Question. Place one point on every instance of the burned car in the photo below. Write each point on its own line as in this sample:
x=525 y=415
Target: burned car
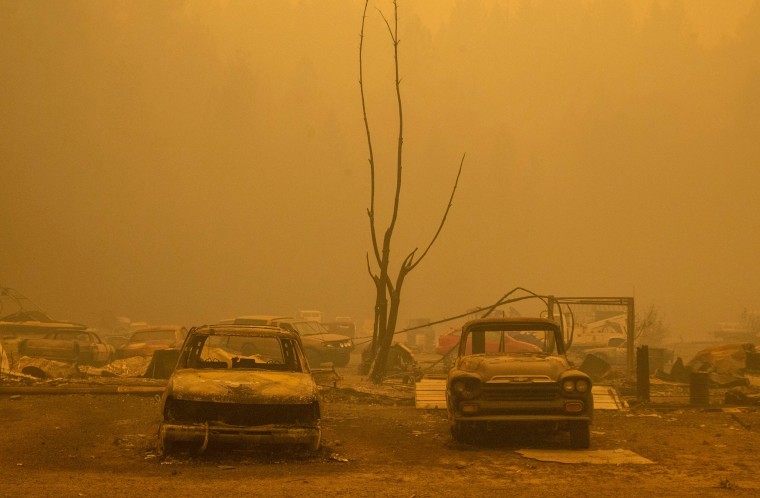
x=240 y=384
x=526 y=379
x=319 y=344
x=12 y=334
x=81 y=346
x=146 y=341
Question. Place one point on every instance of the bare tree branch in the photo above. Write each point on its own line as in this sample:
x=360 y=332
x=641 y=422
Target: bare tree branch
x=387 y=24
x=371 y=210
x=445 y=215
x=394 y=37
x=369 y=270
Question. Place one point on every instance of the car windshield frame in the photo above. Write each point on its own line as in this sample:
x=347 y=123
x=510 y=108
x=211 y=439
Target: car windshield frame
x=510 y=338
x=73 y=335
x=217 y=351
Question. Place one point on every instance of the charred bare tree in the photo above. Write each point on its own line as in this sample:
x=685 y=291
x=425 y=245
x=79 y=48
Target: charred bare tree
x=387 y=286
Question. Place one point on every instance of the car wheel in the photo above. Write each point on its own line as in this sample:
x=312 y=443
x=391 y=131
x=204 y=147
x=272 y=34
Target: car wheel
x=342 y=360
x=315 y=445
x=580 y=435
x=165 y=447
x=313 y=357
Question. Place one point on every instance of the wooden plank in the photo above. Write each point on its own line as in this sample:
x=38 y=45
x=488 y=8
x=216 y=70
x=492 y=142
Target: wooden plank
x=606 y=398
x=430 y=394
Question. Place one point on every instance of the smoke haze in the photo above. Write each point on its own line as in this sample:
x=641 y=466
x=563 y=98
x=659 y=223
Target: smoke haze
x=188 y=161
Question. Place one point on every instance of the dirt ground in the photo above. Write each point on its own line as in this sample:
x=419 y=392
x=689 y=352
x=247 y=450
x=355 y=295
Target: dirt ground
x=374 y=445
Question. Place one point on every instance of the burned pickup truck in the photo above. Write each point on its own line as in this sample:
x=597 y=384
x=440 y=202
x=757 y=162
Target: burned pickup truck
x=241 y=385
x=514 y=371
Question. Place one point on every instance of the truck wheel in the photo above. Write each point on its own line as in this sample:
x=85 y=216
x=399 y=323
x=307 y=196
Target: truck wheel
x=580 y=435
x=459 y=432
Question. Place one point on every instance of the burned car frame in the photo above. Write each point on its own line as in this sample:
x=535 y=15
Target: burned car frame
x=527 y=379
x=80 y=346
x=240 y=384
x=319 y=345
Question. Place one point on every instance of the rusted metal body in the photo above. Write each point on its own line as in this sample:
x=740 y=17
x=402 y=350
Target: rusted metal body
x=145 y=342
x=80 y=346
x=13 y=333
x=219 y=394
x=507 y=384
x=319 y=345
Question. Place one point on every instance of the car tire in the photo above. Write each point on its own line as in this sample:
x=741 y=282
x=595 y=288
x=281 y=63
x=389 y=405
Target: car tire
x=165 y=447
x=314 y=446
x=313 y=358
x=580 y=435
x=342 y=360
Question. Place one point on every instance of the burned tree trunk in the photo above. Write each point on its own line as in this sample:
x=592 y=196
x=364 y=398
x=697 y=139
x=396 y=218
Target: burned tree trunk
x=388 y=292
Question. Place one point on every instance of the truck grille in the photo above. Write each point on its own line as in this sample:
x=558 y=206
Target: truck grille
x=241 y=415
x=548 y=391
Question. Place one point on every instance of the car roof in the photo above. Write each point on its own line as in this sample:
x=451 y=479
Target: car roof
x=250 y=330
x=159 y=327
x=46 y=325
x=513 y=322
x=261 y=317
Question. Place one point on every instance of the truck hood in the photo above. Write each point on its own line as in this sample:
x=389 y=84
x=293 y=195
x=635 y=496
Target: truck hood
x=242 y=386
x=488 y=366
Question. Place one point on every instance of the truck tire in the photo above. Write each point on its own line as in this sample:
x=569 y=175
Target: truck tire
x=580 y=435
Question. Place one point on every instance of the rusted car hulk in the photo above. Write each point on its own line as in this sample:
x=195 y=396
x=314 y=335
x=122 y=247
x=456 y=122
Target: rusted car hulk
x=533 y=383
x=146 y=341
x=81 y=346
x=318 y=343
x=242 y=385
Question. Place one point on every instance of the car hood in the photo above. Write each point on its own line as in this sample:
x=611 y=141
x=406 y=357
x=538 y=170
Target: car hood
x=148 y=345
x=242 y=387
x=488 y=366
x=325 y=338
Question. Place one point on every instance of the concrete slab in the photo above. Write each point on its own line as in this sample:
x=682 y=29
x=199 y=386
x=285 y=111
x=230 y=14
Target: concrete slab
x=598 y=457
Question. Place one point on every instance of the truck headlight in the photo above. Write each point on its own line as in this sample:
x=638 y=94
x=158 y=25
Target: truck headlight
x=576 y=385
x=466 y=388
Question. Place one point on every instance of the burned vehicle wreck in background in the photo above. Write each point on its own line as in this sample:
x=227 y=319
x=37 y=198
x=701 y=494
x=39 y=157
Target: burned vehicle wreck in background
x=520 y=381
x=80 y=346
x=318 y=343
x=146 y=341
x=240 y=384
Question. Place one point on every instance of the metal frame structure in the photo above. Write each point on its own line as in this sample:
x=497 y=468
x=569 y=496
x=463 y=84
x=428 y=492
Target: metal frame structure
x=628 y=302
